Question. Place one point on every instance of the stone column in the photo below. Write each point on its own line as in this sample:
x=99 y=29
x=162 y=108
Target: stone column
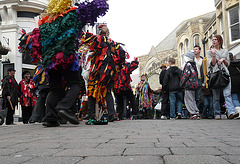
x=9 y=38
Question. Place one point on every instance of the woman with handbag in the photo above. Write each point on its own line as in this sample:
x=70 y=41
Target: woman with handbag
x=217 y=63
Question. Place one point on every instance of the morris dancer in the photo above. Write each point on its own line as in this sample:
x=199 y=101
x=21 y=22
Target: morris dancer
x=105 y=55
x=56 y=42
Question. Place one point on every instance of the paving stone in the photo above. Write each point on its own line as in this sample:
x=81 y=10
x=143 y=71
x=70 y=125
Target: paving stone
x=147 y=151
x=232 y=158
x=235 y=143
x=230 y=150
x=83 y=152
x=57 y=160
x=13 y=159
x=150 y=140
x=38 y=152
x=75 y=145
x=196 y=151
x=127 y=145
x=193 y=159
x=36 y=144
x=9 y=151
x=169 y=144
x=123 y=159
x=203 y=143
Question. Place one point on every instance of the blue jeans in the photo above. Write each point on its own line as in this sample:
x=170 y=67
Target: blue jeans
x=235 y=99
x=198 y=94
x=207 y=106
x=175 y=98
x=228 y=100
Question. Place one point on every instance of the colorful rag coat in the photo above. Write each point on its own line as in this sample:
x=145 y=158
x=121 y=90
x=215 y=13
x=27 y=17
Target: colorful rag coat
x=27 y=93
x=122 y=78
x=9 y=88
x=56 y=39
x=105 y=55
x=40 y=78
x=145 y=95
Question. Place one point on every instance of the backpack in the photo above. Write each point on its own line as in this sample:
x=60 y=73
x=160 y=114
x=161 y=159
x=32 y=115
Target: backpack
x=192 y=81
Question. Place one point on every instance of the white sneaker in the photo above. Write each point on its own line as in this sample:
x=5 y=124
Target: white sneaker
x=172 y=118
x=237 y=109
x=163 y=117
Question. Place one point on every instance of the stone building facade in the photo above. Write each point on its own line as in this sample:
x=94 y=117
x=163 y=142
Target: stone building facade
x=182 y=39
x=197 y=31
x=191 y=34
x=16 y=15
x=226 y=23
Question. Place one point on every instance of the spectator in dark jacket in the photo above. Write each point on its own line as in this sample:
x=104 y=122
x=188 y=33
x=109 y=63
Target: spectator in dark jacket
x=234 y=70
x=10 y=95
x=165 y=94
x=172 y=83
x=189 y=81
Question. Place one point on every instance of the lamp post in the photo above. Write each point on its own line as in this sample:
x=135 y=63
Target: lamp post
x=204 y=42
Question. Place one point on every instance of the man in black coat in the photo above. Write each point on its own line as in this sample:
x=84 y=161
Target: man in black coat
x=10 y=95
x=165 y=94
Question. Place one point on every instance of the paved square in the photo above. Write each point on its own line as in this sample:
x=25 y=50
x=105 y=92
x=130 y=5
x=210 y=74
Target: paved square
x=128 y=141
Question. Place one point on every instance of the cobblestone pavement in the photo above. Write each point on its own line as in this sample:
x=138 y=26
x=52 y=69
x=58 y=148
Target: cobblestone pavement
x=128 y=141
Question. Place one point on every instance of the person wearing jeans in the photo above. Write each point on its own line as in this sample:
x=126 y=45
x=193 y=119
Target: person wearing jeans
x=171 y=82
x=235 y=99
x=207 y=103
x=228 y=101
x=175 y=98
x=217 y=56
x=234 y=70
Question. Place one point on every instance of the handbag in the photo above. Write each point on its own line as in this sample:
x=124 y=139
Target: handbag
x=219 y=79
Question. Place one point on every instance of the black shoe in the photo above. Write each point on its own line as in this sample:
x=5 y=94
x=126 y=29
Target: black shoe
x=11 y=124
x=68 y=116
x=31 y=121
x=112 y=118
x=51 y=124
x=62 y=121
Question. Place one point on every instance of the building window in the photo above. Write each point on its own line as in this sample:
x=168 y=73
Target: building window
x=26 y=14
x=196 y=40
x=234 y=24
x=182 y=53
x=222 y=29
x=186 y=45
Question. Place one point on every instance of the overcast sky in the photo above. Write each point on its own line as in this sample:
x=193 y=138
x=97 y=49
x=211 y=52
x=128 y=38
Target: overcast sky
x=141 y=24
